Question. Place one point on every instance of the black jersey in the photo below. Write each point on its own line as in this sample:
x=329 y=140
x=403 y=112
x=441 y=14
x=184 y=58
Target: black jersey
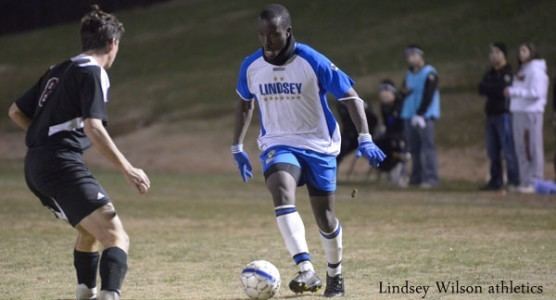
x=63 y=97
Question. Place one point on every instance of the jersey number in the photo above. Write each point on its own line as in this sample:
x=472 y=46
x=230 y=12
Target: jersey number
x=48 y=89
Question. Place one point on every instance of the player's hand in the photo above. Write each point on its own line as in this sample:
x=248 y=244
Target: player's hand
x=242 y=162
x=138 y=178
x=369 y=150
x=418 y=121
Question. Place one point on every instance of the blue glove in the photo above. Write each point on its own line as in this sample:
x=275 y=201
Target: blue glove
x=242 y=161
x=369 y=150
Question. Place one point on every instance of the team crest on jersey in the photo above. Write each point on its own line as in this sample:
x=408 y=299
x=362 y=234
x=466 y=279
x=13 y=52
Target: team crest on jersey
x=507 y=78
x=48 y=89
x=270 y=156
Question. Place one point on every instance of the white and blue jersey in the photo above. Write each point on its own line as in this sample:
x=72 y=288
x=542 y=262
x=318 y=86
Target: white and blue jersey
x=292 y=99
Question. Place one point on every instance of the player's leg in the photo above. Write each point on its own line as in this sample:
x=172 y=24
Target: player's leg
x=282 y=173
x=321 y=184
x=85 y=260
x=282 y=186
x=105 y=226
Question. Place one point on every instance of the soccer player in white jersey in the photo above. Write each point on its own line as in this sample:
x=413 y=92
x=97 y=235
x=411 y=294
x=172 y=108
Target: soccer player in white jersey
x=299 y=138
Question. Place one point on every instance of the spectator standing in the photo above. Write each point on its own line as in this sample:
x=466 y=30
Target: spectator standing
x=528 y=94
x=420 y=110
x=499 y=135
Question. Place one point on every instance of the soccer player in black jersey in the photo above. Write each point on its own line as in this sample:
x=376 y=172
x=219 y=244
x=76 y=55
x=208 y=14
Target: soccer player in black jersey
x=64 y=113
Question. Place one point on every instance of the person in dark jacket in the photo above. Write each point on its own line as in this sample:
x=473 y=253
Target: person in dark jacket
x=499 y=139
x=391 y=101
x=393 y=137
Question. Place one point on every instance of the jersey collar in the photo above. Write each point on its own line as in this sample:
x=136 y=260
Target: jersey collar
x=285 y=55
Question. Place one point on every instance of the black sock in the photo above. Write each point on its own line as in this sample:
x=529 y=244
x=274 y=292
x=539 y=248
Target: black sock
x=86 y=266
x=113 y=266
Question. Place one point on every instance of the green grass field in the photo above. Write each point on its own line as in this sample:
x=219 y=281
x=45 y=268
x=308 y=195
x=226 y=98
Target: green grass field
x=192 y=234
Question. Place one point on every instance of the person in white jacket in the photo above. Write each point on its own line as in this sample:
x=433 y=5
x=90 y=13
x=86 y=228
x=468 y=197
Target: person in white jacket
x=528 y=94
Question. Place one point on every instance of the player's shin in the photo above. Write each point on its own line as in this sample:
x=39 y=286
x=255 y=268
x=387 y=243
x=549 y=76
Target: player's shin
x=86 y=266
x=333 y=248
x=113 y=267
x=292 y=230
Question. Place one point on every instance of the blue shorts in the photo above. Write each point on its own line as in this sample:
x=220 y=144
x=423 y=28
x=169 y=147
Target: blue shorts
x=318 y=170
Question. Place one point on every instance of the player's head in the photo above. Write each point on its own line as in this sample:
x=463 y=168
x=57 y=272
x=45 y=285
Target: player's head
x=387 y=91
x=101 y=33
x=414 y=55
x=498 y=54
x=526 y=53
x=274 y=29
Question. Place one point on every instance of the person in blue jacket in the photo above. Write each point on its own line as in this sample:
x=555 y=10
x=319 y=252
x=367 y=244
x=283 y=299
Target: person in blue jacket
x=420 y=111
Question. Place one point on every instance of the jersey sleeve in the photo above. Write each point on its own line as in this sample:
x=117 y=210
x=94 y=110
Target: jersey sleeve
x=332 y=78
x=242 y=87
x=28 y=102
x=92 y=97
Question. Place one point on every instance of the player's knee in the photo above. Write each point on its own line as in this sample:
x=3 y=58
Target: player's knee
x=87 y=239
x=115 y=238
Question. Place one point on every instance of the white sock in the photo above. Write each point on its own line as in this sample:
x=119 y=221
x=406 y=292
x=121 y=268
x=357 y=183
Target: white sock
x=83 y=292
x=108 y=295
x=293 y=232
x=333 y=248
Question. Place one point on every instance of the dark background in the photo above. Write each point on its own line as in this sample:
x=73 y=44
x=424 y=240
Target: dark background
x=22 y=15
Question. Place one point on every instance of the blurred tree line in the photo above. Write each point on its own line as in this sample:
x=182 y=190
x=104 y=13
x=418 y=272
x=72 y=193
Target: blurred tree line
x=21 y=15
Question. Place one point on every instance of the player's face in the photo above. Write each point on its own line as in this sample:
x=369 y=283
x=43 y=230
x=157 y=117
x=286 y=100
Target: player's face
x=273 y=37
x=496 y=56
x=524 y=54
x=414 y=59
x=114 y=47
x=386 y=97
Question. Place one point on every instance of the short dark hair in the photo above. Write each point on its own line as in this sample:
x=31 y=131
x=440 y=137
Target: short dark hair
x=98 y=28
x=500 y=46
x=273 y=11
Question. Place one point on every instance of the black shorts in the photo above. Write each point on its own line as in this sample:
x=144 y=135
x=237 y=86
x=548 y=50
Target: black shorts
x=60 y=179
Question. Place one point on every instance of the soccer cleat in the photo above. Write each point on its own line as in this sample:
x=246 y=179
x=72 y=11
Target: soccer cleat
x=334 y=286
x=83 y=292
x=306 y=281
x=108 y=295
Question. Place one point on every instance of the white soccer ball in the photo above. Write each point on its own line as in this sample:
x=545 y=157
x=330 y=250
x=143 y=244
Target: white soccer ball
x=260 y=280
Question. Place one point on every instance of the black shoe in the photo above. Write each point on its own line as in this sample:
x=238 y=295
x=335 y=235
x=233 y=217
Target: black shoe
x=490 y=188
x=334 y=286
x=307 y=281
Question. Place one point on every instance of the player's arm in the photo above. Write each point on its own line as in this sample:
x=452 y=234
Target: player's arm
x=22 y=110
x=101 y=140
x=19 y=117
x=243 y=116
x=356 y=110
